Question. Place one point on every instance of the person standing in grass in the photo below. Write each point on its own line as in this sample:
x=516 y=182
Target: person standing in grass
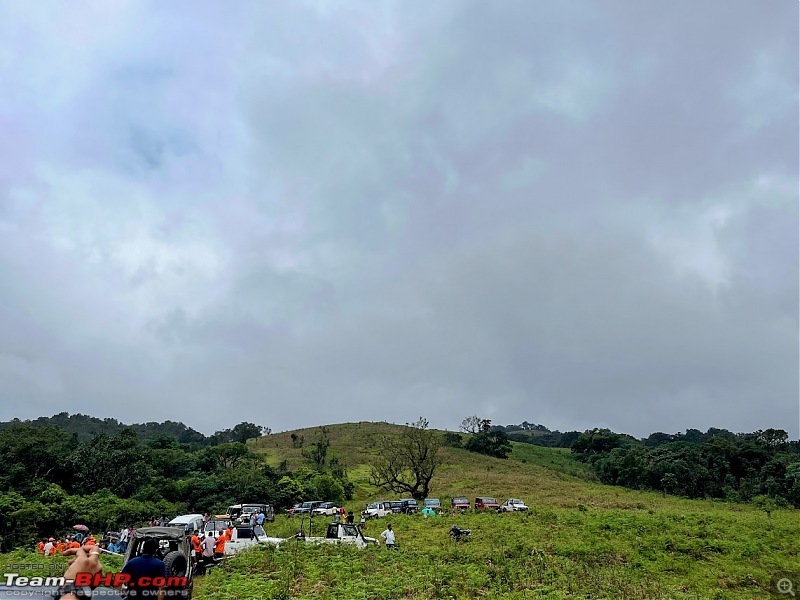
x=388 y=535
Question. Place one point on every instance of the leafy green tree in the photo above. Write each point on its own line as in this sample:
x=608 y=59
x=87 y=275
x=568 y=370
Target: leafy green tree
x=173 y=463
x=318 y=453
x=240 y=433
x=452 y=439
x=227 y=456
x=492 y=443
x=597 y=441
x=246 y=484
x=329 y=488
x=31 y=457
x=117 y=462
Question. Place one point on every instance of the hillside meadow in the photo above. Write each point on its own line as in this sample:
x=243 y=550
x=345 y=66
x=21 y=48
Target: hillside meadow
x=581 y=539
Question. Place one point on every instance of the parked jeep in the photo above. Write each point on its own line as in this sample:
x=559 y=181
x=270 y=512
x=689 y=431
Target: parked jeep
x=486 y=503
x=432 y=503
x=327 y=509
x=409 y=506
x=243 y=511
x=460 y=503
x=306 y=508
x=174 y=548
x=376 y=510
x=342 y=533
x=245 y=536
x=512 y=505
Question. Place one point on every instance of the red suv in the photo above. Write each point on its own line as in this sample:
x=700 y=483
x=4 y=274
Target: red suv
x=486 y=503
x=460 y=503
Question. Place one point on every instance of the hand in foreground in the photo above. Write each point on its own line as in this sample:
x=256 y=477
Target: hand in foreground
x=84 y=562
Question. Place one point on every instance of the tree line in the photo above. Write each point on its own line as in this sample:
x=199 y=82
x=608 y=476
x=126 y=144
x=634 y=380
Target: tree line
x=715 y=464
x=50 y=479
x=85 y=427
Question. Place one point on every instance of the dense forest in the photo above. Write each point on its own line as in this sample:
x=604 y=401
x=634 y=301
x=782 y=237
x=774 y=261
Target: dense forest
x=538 y=435
x=715 y=464
x=86 y=427
x=51 y=479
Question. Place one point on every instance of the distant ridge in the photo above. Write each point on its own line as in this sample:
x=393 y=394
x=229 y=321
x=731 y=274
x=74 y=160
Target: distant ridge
x=86 y=427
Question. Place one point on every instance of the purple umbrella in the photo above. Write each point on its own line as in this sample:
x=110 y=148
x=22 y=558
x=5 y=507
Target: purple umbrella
x=80 y=527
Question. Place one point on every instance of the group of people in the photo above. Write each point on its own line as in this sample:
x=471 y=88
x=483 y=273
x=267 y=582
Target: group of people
x=206 y=547
x=116 y=542
x=51 y=546
x=257 y=518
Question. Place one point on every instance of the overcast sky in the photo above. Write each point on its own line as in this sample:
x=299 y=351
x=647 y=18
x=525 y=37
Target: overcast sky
x=581 y=214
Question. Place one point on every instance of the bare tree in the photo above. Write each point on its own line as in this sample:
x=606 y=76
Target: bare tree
x=475 y=424
x=407 y=462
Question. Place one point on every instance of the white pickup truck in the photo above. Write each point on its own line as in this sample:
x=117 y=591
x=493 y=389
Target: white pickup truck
x=243 y=537
x=343 y=533
x=336 y=533
x=376 y=510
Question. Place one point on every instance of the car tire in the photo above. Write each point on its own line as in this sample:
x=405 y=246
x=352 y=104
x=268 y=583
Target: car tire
x=176 y=564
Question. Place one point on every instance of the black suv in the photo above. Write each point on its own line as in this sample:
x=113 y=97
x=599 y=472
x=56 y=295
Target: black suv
x=306 y=507
x=407 y=506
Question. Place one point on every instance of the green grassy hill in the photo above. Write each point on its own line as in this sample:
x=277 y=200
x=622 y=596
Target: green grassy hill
x=581 y=539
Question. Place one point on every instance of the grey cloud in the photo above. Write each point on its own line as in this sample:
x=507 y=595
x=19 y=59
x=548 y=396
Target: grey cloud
x=568 y=213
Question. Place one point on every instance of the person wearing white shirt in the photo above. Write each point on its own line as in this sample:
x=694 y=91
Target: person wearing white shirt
x=388 y=535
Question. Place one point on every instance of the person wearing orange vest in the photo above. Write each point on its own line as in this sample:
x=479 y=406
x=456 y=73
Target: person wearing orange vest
x=90 y=541
x=40 y=547
x=74 y=544
x=198 y=549
x=61 y=546
x=219 y=549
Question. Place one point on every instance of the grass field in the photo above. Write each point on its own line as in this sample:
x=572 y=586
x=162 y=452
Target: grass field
x=581 y=539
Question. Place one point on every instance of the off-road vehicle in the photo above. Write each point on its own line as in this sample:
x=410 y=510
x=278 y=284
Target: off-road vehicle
x=174 y=548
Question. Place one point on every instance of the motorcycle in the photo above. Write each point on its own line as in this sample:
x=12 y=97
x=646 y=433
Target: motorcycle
x=458 y=534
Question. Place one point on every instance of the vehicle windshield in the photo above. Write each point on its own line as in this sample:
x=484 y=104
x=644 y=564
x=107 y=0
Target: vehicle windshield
x=432 y=502
x=216 y=524
x=246 y=510
x=460 y=500
x=489 y=501
x=326 y=505
x=350 y=530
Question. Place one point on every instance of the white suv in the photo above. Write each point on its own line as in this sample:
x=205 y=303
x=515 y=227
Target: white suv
x=376 y=510
x=512 y=505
